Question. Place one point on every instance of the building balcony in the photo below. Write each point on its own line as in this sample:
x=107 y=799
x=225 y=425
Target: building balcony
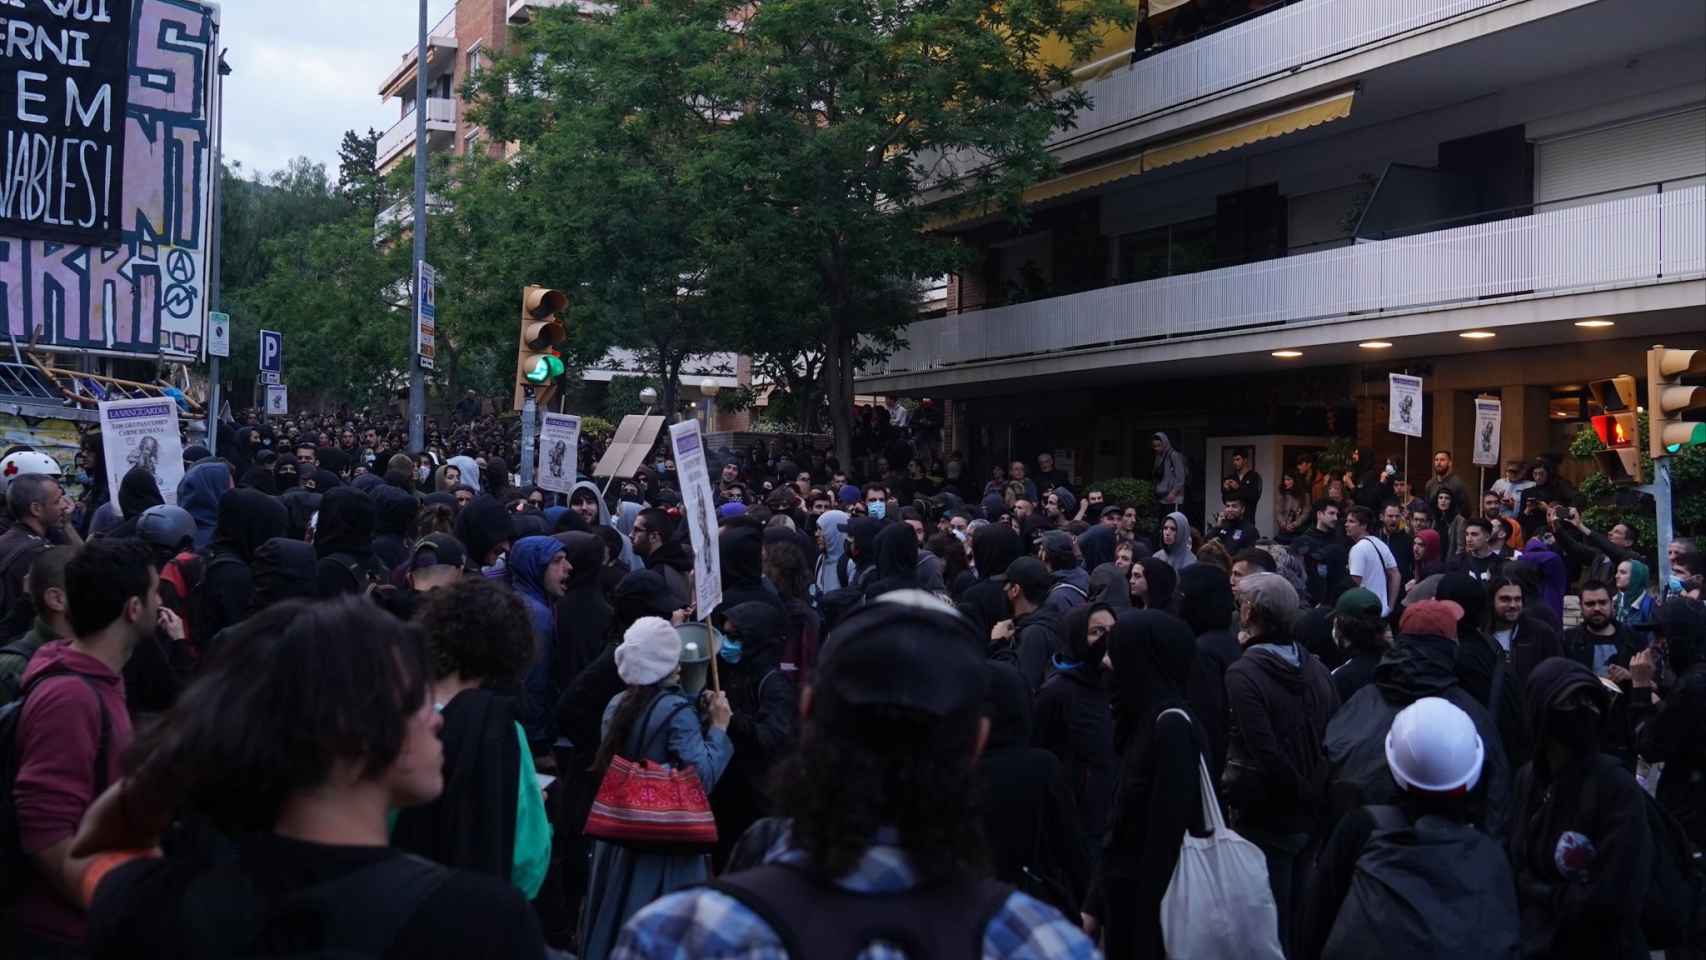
x=521 y=11
x=1613 y=242
x=441 y=56
x=441 y=131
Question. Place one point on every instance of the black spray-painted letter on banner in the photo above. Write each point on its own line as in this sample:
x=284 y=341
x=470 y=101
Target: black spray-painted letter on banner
x=64 y=85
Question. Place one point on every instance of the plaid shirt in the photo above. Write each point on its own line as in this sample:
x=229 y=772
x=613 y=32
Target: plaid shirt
x=701 y=924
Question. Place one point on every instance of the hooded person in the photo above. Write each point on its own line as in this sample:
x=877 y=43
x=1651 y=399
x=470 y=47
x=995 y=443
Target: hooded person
x=587 y=490
x=1172 y=472
x=259 y=478
x=199 y=492
x=623 y=520
x=1432 y=559
x=1071 y=586
x=832 y=538
x=469 y=469
x=862 y=549
x=537 y=577
x=1481 y=667
x=1110 y=585
x=897 y=561
x=1096 y=545
x=1554 y=577
x=1206 y=604
x=1420 y=664
x=494 y=476
x=1667 y=729
x=583 y=616
x=281 y=569
x=765 y=707
x=1632 y=605
x=1160 y=581
x=1030 y=820
x=300 y=505
x=1158 y=794
x=1072 y=719
x=368 y=482
x=1178 y=554
x=395 y=516
x=247 y=519
x=740 y=547
x=285 y=473
x=136 y=492
x=343 y=542
x=483 y=527
x=1581 y=846
x=441 y=482
x=993 y=549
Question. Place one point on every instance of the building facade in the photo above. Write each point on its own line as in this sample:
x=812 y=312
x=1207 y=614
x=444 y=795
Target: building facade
x=1255 y=223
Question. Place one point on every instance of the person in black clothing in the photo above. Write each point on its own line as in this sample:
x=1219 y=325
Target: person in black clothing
x=483 y=528
x=343 y=542
x=1524 y=637
x=1358 y=631
x=1027 y=638
x=1072 y=721
x=393 y=524
x=993 y=548
x=1482 y=668
x=247 y=519
x=1581 y=845
x=1599 y=642
x=741 y=548
x=1325 y=554
x=655 y=544
x=1158 y=793
x=583 y=616
x=296 y=750
x=1206 y=605
x=897 y=561
x=1667 y=729
x=1233 y=528
x=765 y=708
x=1243 y=484
x=136 y=492
x=1030 y=820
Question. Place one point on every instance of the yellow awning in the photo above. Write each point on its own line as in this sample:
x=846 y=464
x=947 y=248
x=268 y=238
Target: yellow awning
x=1242 y=133
x=1227 y=137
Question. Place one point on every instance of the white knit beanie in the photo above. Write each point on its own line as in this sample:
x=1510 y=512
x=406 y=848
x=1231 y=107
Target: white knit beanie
x=649 y=651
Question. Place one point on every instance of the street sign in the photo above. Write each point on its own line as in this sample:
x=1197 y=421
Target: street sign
x=278 y=402
x=426 y=313
x=267 y=378
x=272 y=353
x=218 y=334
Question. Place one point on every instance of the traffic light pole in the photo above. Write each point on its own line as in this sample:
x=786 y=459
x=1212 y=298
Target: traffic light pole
x=1661 y=501
x=417 y=376
x=529 y=414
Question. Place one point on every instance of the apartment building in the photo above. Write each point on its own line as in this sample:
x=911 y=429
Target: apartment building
x=1259 y=219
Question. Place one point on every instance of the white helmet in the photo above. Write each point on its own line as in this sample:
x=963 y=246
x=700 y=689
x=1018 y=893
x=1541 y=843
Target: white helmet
x=26 y=462
x=1433 y=748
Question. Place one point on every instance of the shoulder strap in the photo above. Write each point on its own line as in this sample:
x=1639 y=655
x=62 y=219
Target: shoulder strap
x=106 y=735
x=1073 y=586
x=1496 y=691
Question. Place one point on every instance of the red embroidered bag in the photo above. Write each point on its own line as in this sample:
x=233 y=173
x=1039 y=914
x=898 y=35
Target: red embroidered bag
x=652 y=806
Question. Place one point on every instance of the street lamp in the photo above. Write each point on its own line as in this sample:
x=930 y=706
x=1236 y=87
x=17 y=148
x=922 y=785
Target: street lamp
x=709 y=388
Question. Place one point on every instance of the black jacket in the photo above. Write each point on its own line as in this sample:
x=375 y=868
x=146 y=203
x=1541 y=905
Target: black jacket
x=762 y=727
x=1669 y=732
x=471 y=825
x=1236 y=535
x=1074 y=724
x=1033 y=645
x=1275 y=772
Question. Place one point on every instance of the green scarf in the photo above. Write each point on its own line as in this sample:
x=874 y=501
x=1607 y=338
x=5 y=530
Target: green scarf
x=1629 y=600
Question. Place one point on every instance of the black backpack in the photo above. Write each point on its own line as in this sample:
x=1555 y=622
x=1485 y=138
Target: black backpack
x=367 y=573
x=15 y=866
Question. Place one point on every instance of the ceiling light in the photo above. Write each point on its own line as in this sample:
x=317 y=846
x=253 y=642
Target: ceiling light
x=1288 y=354
x=1374 y=344
x=1478 y=335
x=1596 y=324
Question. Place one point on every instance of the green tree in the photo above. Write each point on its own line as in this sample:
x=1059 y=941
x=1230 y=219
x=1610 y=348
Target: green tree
x=735 y=164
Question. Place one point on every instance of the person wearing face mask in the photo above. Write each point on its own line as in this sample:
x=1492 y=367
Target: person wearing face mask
x=1667 y=709
x=1581 y=846
x=1027 y=638
x=764 y=704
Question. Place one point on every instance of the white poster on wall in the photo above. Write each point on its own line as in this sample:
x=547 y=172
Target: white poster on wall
x=143 y=433
x=1405 y=416
x=700 y=511
x=1488 y=416
x=559 y=452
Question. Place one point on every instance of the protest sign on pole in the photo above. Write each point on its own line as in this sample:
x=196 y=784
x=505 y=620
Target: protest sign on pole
x=700 y=511
x=278 y=400
x=1488 y=417
x=143 y=433
x=559 y=458
x=1406 y=405
x=426 y=313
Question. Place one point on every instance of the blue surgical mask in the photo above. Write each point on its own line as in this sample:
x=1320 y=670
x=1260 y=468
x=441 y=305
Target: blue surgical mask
x=877 y=509
x=729 y=649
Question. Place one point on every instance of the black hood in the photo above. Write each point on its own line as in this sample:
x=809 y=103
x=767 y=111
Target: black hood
x=742 y=553
x=259 y=478
x=346 y=523
x=1417 y=666
x=395 y=511
x=137 y=492
x=759 y=626
x=1110 y=585
x=247 y=519
x=299 y=506
x=643 y=593
x=862 y=533
x=1097 y=546
x=1007 y=703
x=1162 y=580
x=994 y=548
x=283 y=570
x=897 y=553
x=1468 y=593
x=671 y=554
x=481 y=526
x=586 y=556
x=1152 y=654
x=1552 y=680
x=1205 y=598
x=1074 y=635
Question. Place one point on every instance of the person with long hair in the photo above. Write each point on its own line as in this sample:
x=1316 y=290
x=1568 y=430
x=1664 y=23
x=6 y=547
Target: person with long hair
x=1151 y=582
x=1291 y=512
x=1448 y=521
x=650 y=720
x=295 y=744
x=786 y=569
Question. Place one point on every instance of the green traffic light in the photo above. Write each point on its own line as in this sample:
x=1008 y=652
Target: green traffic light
x=545 y=369
x=1696 y=435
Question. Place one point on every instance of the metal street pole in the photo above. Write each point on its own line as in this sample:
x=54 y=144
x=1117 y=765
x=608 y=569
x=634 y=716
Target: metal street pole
x=215 y=244
x=417 y=376
x=529 y=416
x=1662 y=505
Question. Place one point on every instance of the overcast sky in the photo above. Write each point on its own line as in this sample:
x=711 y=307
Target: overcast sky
x=304 y=71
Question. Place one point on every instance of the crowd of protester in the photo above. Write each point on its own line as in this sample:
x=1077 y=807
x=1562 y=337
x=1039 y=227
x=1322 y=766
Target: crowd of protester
x=342 y=696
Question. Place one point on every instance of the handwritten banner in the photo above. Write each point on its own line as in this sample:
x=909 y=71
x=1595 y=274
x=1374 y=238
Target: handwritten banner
x=64 y=89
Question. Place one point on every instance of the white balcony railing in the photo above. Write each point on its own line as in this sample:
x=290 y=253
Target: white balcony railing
x=1592 y=246
x=442 y=35
x=1266 y=45
x=441 y=117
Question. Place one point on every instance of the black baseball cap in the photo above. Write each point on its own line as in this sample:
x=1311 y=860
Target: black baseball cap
x=908 y=649
x=438 y=549
x=1030 y=574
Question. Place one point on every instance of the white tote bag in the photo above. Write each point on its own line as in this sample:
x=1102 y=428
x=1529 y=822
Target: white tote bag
x=1218 y=906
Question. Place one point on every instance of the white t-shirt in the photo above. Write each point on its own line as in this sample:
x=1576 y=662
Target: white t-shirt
x=1370 y=559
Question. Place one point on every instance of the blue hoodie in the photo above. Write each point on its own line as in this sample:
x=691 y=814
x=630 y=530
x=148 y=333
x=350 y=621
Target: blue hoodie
x=199 y=492
x=528 y=558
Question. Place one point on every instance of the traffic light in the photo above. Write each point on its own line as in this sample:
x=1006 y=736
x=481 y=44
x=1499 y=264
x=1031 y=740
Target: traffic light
x=1617 y=429
x=537 y=362
x=1670 y=400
